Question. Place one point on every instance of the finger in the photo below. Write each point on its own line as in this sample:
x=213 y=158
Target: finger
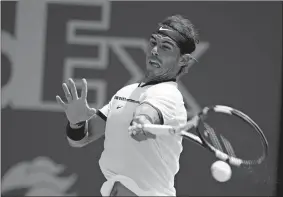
x=134 y=124
x=134 y=131
x=73 y=88
x=133 y=128
x=67 y=92
x=84 y=89
x=130 y=130
x=91 y=112
x=59 y=101
x=138 y=130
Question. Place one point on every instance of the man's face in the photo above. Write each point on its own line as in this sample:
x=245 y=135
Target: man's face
x=162 y=57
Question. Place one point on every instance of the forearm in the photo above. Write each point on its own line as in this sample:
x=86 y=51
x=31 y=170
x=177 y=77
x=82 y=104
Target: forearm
x=147 y=114
x=81 y=134
x=77 y=135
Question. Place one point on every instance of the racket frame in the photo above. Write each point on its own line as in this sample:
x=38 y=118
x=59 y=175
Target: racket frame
x=200 y=139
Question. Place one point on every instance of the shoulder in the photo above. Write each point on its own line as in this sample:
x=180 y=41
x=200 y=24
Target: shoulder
x=168 y=89
x=128 y=88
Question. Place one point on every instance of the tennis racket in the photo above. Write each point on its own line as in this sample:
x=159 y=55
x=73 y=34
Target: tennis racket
x=228 y=133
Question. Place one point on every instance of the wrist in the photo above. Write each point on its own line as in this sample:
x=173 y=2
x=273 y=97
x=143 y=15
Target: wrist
x=143 y=119
x=79 y=132
x=77 y=125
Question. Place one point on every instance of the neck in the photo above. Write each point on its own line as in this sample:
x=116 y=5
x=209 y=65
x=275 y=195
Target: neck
x=148 y=79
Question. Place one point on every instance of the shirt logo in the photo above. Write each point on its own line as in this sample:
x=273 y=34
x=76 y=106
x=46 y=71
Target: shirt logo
x=164 y=29
x=125 y=99
x=118 y=107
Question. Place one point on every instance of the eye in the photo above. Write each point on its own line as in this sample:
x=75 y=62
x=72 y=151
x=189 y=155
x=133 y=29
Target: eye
x=165 y=47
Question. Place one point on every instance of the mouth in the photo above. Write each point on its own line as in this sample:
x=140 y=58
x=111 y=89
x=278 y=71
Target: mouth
x=154 y=63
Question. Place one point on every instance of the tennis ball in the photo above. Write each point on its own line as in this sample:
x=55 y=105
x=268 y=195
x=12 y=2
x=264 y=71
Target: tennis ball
x=221 y=171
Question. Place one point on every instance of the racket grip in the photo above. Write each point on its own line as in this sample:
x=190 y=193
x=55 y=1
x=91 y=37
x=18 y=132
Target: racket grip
x=158 y=129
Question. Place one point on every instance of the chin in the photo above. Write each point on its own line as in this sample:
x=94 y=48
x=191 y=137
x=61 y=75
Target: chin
x=151 y=74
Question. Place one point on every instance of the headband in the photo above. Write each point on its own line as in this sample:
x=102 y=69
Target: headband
x=186 y=45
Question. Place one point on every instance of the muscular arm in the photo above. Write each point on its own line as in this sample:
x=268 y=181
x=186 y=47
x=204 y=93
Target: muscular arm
x=144 y=114
x=147 y=114
x=164 y=106
x=81 y=134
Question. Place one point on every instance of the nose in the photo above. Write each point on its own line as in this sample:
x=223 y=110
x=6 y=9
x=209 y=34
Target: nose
x=154 y=51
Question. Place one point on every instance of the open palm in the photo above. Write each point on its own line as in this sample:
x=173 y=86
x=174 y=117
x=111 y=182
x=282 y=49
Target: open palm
x=76 y=109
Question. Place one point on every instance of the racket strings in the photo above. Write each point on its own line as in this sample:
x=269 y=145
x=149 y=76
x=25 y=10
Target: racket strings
x=228 y=146
x=260 y=134
x=236 y=138
x=216 y=142
x=228 y=153
x=209 y=132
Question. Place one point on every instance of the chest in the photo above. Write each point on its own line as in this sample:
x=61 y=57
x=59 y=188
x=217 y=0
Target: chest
x=123 y=107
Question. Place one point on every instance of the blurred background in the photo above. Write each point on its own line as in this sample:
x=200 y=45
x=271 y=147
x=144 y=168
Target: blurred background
x=45 y=42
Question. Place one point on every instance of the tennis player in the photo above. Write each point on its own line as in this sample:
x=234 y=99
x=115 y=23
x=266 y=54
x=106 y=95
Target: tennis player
x=134 y=162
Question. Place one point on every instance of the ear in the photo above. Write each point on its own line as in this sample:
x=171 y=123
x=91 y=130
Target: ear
x=185 y=59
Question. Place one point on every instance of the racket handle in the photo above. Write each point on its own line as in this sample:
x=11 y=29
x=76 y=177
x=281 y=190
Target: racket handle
x=158 y=129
